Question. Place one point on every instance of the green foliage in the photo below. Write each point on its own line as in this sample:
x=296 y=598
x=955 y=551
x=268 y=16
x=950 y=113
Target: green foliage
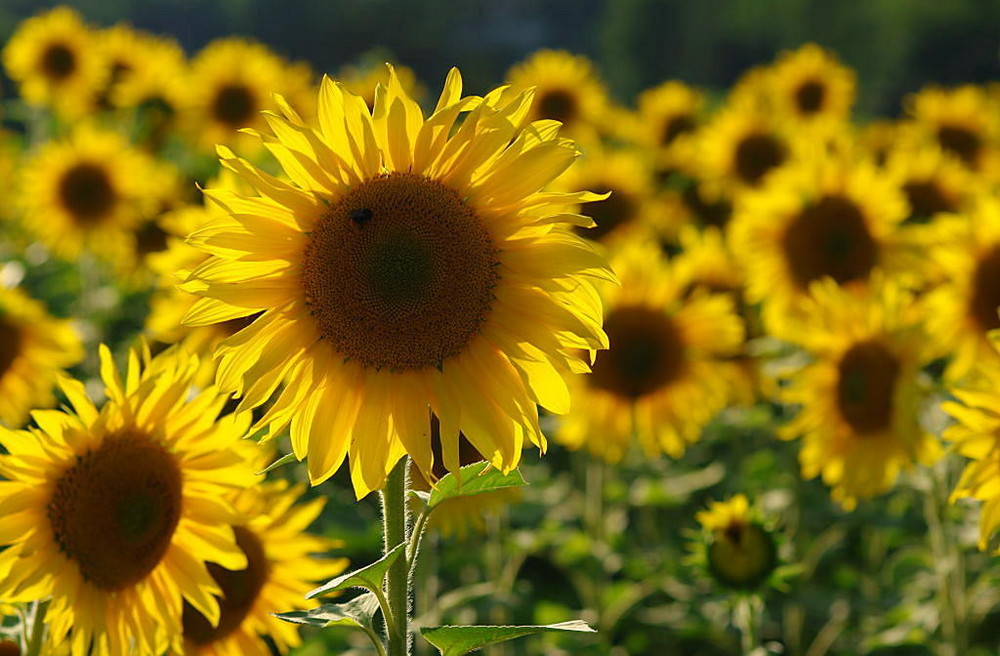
x=459 y=640
x=473 y=479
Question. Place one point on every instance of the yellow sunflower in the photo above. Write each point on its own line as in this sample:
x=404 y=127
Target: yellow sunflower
x=835 y=218
x=232 y=81
x=861 y=397
x=55 y=61
x=281 y=569
x=666 y=117
x=739 y=148
x=976 y=435
x=812 y=88
x=88 y=192
x=408 y=267
x=665 y=375
x=567 y=89
x=933 y=181
x=34 y=347
x=112 y=512
x=630 y=211
x=741 y=551
x=963 y=121
x=363 y=78
x=962 y=310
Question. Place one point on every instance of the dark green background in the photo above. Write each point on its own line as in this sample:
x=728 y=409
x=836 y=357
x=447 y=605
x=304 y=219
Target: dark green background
x=895 y=45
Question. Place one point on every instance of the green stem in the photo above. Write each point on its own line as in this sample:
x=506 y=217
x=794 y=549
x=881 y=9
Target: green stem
x=746 y=617
x=395 y=518
x=949 y=563
x=37 y=629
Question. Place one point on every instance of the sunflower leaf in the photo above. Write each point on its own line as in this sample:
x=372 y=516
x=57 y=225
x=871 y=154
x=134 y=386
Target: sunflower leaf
x=369 y=577
x=421 y=495
x=357 y=612
x=473 y=479
x=283 y=460
x=458 y=640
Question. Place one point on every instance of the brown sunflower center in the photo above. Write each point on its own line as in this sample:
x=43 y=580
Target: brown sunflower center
x=9 y=648
x=809 y=96
x=675 y=127
x=399 y=273
x=114 y=512
x=829 y=238
x=150 y=238
x=647 y=353
x=240 y=590
x=985 y=296
x=86 y=192
x=756 y=154
x=58 y=61
x=615 y=210
x=234 y=105
x=866 y=384
x=558 y=105
x=926 y=199
x=11 y=339
x=713 y=212
x=961 y=141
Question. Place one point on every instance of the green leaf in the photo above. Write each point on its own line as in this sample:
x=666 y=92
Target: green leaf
x=369 y=577
x=476 y=479
x=357 y=612
x=283 y=460
x=422 y=496
x=458 y=640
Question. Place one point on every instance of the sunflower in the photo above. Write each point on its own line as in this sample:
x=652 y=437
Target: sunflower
x=739 y=148
x=407 y=268
x=55 y=61
x=363 y=78
x=741 y=551
x=976 y=435
x=34 y=347
x=232 y=81
x=665 y=375
x=281 y=569
x=962 y=310
x=88 y=192
x=963 y=121
x=860 y=399
x=630 y=209
x=567 y=89
x=812 y=88
x=667 y=115
x=933 y=181
x=832 y=219
x=113 y=512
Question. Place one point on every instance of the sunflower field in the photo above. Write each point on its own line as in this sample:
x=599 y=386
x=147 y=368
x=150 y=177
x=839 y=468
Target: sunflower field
x=358 y=362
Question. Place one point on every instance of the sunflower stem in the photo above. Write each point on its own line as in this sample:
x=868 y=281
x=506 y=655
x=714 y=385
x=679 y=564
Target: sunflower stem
x=395 y=521
x=34 y=646
x=746 y=617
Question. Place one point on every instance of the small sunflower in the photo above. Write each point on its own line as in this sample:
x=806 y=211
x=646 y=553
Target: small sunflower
x=860 y=399
x=55 y=61
x=812 y=88
x=963 y=121
x=629 y=211
x=34 y=347
x=282 y=567
x=740 y=147
x=741 y=551
x=114 y=511
x=665 y=375
x=667 y=115
x=933 y=181
x=976 y=435
x=232 y=81
x=363 y=78
x=567 y=89
x=834 y=219
x=408 y=267
x=88 y=192
x=962 y=310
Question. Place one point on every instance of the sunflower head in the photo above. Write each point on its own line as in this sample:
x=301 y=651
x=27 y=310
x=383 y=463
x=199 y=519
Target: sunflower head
x=567 y=89
x=55 y=60
x=410 y=267
x=962 y=121
x=812 y=88
x=121 y=506
x=741 y=552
